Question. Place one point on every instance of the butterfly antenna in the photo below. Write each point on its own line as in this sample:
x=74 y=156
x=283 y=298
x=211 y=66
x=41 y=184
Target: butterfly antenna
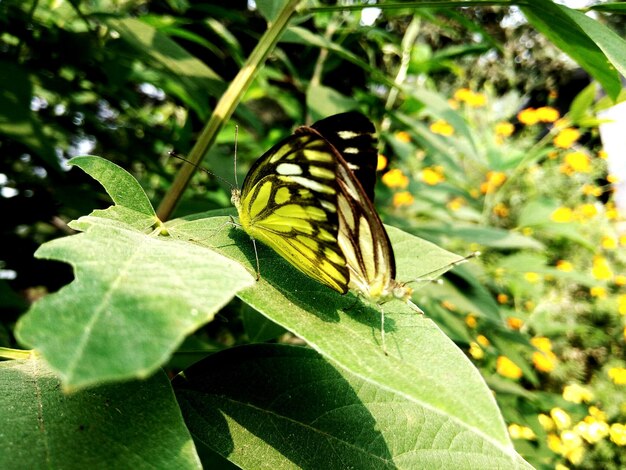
x=171 y=153
x=430 y=276
x=235 y=159
x=414 y=307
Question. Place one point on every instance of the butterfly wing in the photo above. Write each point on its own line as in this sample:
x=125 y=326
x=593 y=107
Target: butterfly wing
x=362 y=237
x=354 y=137
x=289 y=202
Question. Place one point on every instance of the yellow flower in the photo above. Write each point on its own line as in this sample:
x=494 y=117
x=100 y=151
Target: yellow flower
x=587 y=211
x=546 y=422
x=454 y=104
x=504 y=129
x=601 y=269
x=507 y=368
x=514 y=323
x=591 y=190
x=441 y=127
x=598 y=291
x=448 y=305
x=493 y=180
x=592 y=430
x=578 y=161
x=382 y=162
x=476 y=351
x=566 y=137
x=613 y=179
x=502 y=298
x=565 y=266
x=501 y=210
x=395 y=179
x=544 y=361
x=562 y=215
x=527 y=231
x=596 y=413
x=554 y=443
x=621 y=301
x=620 y=280
x=577 y=393
x=529 y=305
x=476 y=100
x=547 y=114
x=521 y=432
x=573 y=449
x=482 y=340
x=462 y=93
x=561 y=419
x=403 y=136
x=602 y=154
x=622 y=240
x=541 y=343
x=456 y=203
x=432 y=175
x=470 y=321
x=608 y=242
x=532 y=277
x=560 y=466
x=618 y=434
x=403 y=198
x=611 y=211
x=528 y=116
x=617 y=375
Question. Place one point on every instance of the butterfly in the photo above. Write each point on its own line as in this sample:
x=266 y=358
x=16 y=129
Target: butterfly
x=310 y=199
x=362 y=236
x=288 y=201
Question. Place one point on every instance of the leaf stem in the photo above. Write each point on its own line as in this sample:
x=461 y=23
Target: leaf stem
x=225 y=107
x=9 y=353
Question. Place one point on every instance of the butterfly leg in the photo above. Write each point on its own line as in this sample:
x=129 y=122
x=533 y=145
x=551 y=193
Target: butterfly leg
x=382 y=330
x=256 y=256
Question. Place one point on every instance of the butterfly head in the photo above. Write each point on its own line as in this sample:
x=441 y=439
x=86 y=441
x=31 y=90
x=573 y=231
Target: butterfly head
x=400 y=291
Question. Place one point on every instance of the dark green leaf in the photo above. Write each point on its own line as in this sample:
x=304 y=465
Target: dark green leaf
x=586 y=41
x=130 y=425
x=271 y=406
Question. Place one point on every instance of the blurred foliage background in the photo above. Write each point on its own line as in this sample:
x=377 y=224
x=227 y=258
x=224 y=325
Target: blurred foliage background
x=492 y=145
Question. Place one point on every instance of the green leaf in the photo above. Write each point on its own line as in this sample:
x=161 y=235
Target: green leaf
x=492 y=237
x=17 y=121
x=259 y=328
x=465 y=291
x=586 y=41
x=613 y=7
x=421 y=358
x=130 y=425
x=132 y=207
x=194 y=78
x=120 y=185
x=582 y=106
x=134 y=298
x=276 y=406
x=438 y=107
x=323 y=101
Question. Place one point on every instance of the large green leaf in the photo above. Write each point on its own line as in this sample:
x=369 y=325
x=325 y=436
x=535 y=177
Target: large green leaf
x=423 y=364
x=135 y=297
x=595 y=47
x=272 y=406
x=189 y=78
x=130 y=425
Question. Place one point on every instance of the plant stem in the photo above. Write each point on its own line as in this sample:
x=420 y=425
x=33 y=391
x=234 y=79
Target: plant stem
x=225 y=107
